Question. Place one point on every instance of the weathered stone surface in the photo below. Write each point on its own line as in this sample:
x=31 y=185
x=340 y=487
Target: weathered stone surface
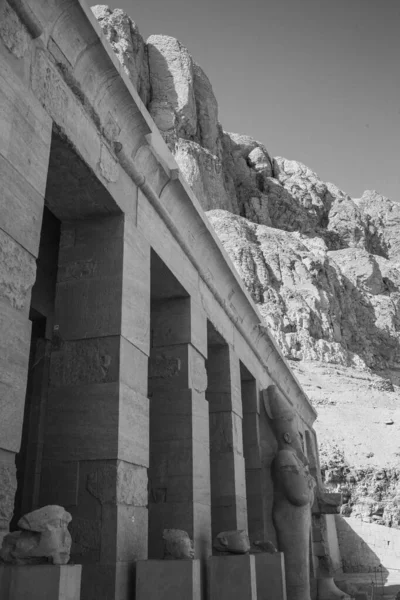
x=173 y=105
x=127 y=43
x=12 y=31
x=204 y=173
x=17 y=273
x=8 y=487
x=121 y=483
x=334 y=306
x=383 y=218
x=208 y=130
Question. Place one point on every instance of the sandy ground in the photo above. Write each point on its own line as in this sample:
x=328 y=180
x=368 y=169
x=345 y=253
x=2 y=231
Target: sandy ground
x=353 y=413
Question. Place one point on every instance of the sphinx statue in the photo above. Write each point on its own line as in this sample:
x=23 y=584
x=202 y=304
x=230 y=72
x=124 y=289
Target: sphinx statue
x=177 y=545
x=44 y=537
x=293 y=495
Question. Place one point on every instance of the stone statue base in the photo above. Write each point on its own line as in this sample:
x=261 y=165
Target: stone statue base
x=35 y=582
x=232 y=577
x=168 y=580
x=270 y=576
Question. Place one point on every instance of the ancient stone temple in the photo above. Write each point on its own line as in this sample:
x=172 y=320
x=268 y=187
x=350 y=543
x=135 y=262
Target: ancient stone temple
x=140 y=389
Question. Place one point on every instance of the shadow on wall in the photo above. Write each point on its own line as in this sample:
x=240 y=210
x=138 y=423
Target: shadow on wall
x=364 y=547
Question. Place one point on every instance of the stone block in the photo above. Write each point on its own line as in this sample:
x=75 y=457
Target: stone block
x=168 y=579
x=270 y=576
x=22 y=220
x=171 y=322
x=40 y=582
x=82 y=362
x=250 y=396
x=8 y=487
x=25 y=130
x=251 y=440
x=89 y=308
x=133 y=367
x=226 y=433
x=135 y=325
x=14 y=356
x=202 y=529
x=133 y=433
x=232 y=577
x=17 y=273
x=82 y=422
x=198 y=328
x=177 y=367
x=123 y=533
x=223 y=370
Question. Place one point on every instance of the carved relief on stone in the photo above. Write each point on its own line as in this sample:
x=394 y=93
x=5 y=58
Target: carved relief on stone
x=177 y=545
x=44 y=538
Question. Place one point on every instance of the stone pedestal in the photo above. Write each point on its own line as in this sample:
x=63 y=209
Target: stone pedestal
x=270 y=576
x=40 y=582
x=168 y=580
x=232 y=577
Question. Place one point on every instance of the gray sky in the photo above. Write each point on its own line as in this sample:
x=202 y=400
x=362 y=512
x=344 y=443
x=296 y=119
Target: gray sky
x=315 y=80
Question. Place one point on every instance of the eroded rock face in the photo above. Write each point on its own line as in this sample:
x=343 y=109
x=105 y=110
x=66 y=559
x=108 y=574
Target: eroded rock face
x=330 y=306
x=127 y=43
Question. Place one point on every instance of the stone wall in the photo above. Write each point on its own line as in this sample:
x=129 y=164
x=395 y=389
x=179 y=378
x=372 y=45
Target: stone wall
x=365 y=546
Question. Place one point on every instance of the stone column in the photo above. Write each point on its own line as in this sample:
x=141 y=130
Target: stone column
x=179 y=491
x=96 y=441
x=257 y=488
x=228 y=485
x=25 y=134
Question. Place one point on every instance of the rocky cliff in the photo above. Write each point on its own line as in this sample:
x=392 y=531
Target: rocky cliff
x=323 y=268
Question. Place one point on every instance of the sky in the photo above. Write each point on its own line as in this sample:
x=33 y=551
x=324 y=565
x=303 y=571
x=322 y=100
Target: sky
x=316 y=81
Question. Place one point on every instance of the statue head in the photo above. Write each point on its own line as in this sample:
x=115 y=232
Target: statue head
x=283 y=421
x=177 y=545
x=233 y=542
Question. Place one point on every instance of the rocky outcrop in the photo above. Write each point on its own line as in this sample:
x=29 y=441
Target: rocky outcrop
x=128 y=45
x=331 y=306
x=371 y=494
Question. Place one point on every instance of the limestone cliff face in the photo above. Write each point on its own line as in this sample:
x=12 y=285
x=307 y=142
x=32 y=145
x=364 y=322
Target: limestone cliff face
x=323 y=268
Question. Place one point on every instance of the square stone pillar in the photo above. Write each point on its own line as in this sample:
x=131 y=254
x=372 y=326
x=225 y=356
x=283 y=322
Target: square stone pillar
x=25 y=137
x=179 y=474
x=96 y=439
x=232 y=578
x=168 y=580
x=228 y=485
x=256 y=475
